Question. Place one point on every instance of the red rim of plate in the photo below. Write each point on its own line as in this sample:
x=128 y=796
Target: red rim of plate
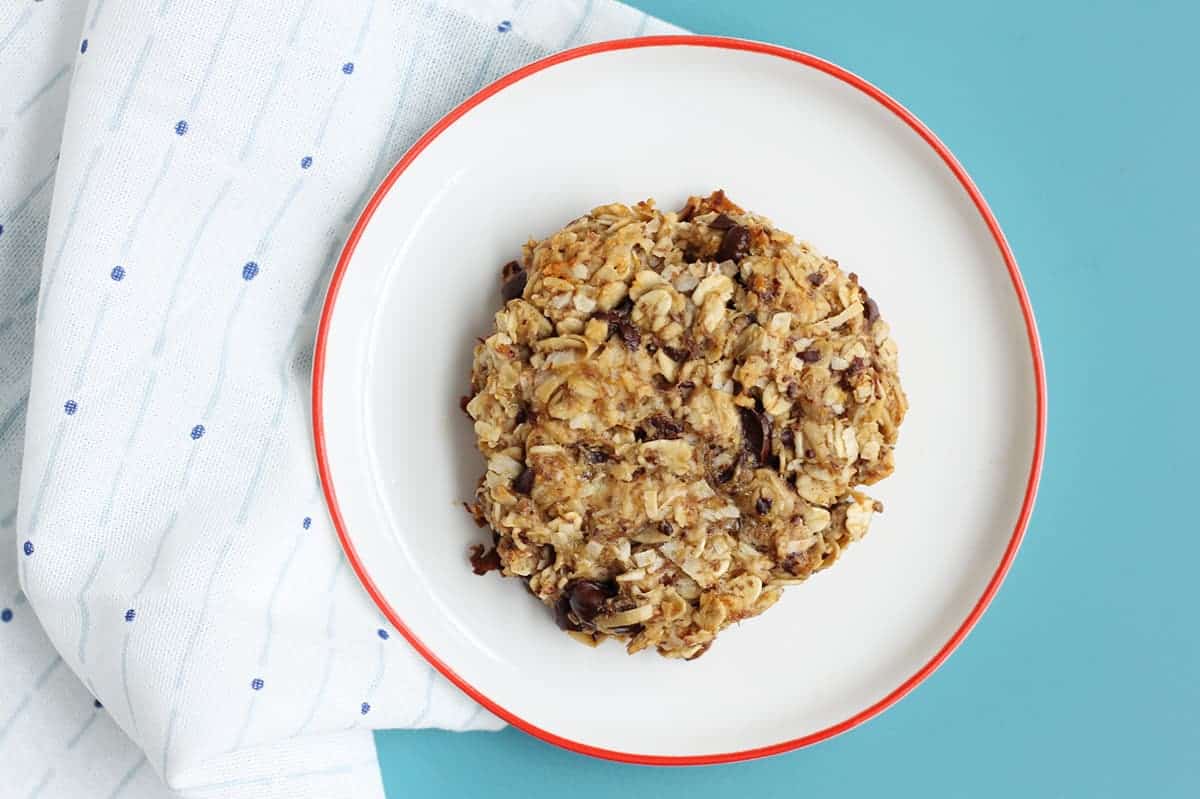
x=943 y=152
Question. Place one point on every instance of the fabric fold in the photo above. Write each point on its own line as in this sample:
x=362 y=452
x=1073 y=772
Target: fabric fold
x=183 y=173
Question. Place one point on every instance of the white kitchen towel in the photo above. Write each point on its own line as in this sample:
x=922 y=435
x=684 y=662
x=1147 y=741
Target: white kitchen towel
x=176 y=177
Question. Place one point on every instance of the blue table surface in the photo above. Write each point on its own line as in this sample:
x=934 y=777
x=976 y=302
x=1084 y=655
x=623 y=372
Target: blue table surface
x=1080 y=122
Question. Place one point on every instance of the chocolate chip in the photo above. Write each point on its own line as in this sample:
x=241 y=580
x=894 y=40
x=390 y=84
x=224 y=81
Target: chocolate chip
x=596 y=455
x=756 y=427
x=629 y=334
x=675 y=354
x=811 y=355
x=522 y=415
x=651 y=348
x=666 y=528
x=463 y=401
x=514 y=286
x=722 y=222
x=735 y=244
x=689 y=209
x=816 y=278
x=856 y=366
x=793 y=391
x=524 y=482
x=510 y=270
x=586 y=597
x=808 y=453
x=660 y=426
x=787 y=437
x=762 y=505
x=871 y=311
x=483 y=559
x=562 y=614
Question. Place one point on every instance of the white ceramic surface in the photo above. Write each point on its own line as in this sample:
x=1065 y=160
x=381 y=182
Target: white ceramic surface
x=826 y=161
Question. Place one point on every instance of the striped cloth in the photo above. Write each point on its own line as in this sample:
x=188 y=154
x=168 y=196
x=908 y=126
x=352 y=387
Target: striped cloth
x=180 y=173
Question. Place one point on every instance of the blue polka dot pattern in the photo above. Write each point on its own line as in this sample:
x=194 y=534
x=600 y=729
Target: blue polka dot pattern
x=256 y=684
x=130 y=614
x=306 y=162
x=181 y=127
x=366 y=708
x=504 y=27
x=307 y=522
x=97 y=704
x=197 y=431
x=27 y=548
x=348 y=67
x=6 y=615
x=70 y=406
x=250 y=271
x=383 y=633
x=83 y=46
x=118 y=273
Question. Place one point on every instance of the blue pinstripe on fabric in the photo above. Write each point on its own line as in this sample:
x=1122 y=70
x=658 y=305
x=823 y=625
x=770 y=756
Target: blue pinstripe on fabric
x=135 y=74
x=25 y=700
x=274 y=597
x=41 y=784
x=240 y=739
x=20 y=23
x=173 y=716
x=137 y=595
x=263 y=246
x=301 y=15
x=95 y=14
x=386 y=148
x=138 y=418
x=136 y=224
x=248 y=144
x=212 y=61
x=265 y=241
x=380 y=671
x=183 y=267
x=20 y=207
x=430 y=676
x=85 y=614
x=255 y=482
x=14 y=414
x=341 y=87
x=42 y=90
x=78 y=194
x=583 y=18
x=87 y=725
x=127 y=778
x=215 y=395
x=323 y=685
x=80 y=373
x=641 y=28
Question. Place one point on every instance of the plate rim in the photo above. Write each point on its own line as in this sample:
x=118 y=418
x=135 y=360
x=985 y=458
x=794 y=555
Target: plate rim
x=718 y=42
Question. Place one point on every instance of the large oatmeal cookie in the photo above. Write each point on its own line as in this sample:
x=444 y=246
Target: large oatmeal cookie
x=675 y=409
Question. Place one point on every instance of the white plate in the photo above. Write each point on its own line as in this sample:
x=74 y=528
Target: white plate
x=826 y=156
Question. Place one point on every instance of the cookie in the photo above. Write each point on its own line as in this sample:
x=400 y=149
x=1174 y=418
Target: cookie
x=676 y=411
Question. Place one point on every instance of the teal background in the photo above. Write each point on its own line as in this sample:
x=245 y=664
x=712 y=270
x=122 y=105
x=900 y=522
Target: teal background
x=1080 y=123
